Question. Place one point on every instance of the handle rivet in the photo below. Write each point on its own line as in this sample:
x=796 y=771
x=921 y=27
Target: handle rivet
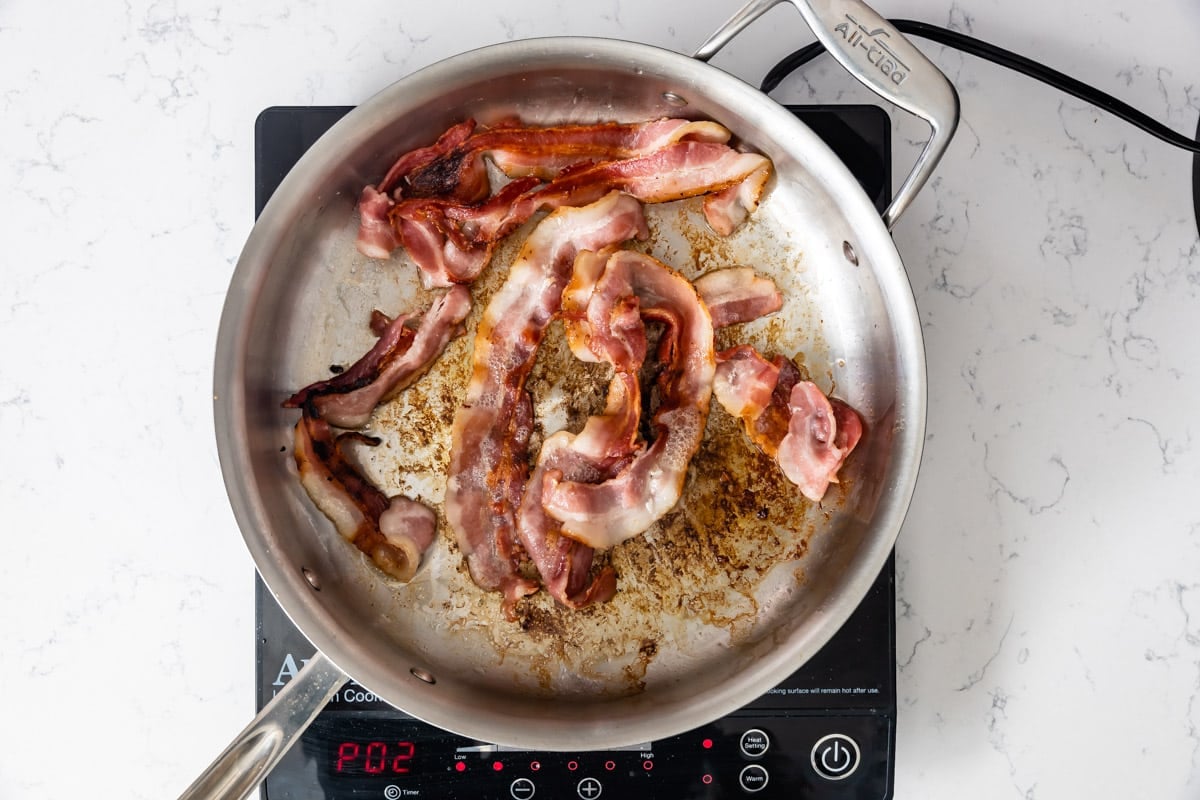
x=674 y=99
x=311 y=577
x=423 y=675
x=848 y=252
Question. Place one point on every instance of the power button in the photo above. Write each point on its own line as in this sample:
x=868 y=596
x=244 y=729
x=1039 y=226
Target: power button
x=835 y=757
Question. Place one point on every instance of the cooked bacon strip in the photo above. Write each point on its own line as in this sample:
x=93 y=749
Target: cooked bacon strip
x=418 y=160
x=380 y=322
x=521 y=151
x=737 y=294
x=488 y=461
x=453 y=168
x=729 y=208
x=395 y=362
x=394 y=532
x=544 y=152
x=604 y=514
x=443 y=259
x=597 y=453
x=377 y=238
x=679 y=170
x=757 y=391
x=821 y=433
x=808 y=434
x=376 y=235
x=395 y=338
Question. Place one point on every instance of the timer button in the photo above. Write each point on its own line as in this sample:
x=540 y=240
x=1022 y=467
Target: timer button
x=754 y=778
x=755 y=743
x=835 y=756
x=522 y=789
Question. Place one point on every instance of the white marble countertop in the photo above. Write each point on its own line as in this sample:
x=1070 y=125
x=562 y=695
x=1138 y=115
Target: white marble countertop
x=1049 y=570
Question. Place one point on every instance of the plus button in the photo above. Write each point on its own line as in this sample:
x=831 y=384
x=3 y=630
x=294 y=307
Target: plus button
x=589 y=788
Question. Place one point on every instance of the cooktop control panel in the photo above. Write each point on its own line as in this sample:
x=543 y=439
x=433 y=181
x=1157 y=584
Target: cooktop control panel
x=380 y=755
x=827 y=733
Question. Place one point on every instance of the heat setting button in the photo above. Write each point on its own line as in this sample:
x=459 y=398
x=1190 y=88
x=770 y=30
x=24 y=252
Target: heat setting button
x=753 y=778
x=589 y=789
x=755 y=743
x=522 y=789
x=835 y=757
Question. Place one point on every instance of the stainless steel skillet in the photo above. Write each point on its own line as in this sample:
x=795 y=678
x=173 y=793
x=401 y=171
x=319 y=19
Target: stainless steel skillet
x=716 y=604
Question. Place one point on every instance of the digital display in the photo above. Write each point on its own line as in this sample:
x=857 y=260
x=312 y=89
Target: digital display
x=357 y=758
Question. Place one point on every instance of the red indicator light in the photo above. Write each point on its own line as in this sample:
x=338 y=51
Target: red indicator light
x=647 y=765
x=707 y=779
x=535 y=765
x=706 y=744
x=497 y=765
x=572 y=765
x=461 y=766
x=610 y=765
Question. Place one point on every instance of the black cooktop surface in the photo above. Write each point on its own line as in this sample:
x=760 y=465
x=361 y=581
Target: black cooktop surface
x=825 y=733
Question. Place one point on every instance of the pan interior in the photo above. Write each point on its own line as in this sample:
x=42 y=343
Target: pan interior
x=727 y=595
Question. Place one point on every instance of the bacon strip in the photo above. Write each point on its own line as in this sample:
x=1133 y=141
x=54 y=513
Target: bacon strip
x=394 y=532
x=604 y=514
x=415 y=161
x=730 y=207
x=597 y=453
x=453 y=168
x=377 y=238
x=398 y=359
x=789 y=419
x=821 y=433
x=491 y=431
x=444 y=255
x=520 y=150
x=737 y=294
x=376 y=234
x=395 y=338
x=677 y=171
x=563 y=563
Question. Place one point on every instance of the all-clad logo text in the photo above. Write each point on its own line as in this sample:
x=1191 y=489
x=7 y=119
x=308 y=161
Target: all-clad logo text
x=878 y=52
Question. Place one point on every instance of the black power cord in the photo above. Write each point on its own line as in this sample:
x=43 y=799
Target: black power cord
x=1196 y=181
x=1005 y=58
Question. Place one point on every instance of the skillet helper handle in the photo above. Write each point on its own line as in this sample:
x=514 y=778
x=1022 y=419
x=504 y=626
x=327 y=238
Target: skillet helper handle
x=873 y=51
x=257 y=749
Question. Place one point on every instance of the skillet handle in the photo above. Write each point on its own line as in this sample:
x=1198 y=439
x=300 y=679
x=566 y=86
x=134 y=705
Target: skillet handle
x=257 y=749
x=879 y=56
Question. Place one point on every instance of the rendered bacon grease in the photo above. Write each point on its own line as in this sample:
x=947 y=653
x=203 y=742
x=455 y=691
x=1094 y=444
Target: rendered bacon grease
x=515 y=513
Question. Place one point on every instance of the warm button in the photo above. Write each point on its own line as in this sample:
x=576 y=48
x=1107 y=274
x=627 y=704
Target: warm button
x=835 y=756
x=753 y=778
x=755 y=743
